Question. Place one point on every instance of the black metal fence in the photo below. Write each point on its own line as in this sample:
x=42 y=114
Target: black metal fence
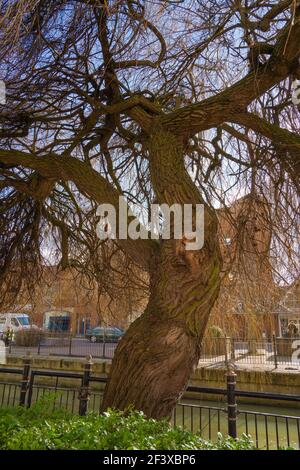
x=64 y=345
x=80 y=393
x=267 y=430
x=272 y=352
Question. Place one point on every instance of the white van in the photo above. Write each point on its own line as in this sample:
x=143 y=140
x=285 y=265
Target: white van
x=15 y=321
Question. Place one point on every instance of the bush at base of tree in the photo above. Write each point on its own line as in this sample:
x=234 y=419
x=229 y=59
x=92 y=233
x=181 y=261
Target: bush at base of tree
x=39 y=428
x=28 y=337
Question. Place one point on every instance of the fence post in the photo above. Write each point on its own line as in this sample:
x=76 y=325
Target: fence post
x=25 y=380
x=104 y=349
x=39 y=345
x=84 y=394
x=70 y=346
x=226 y=339
x=30 y=390
x=275 y=351
x=231 y=402
x=232 y=343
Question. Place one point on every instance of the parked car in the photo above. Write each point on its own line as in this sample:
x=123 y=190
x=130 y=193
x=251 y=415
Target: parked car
x=14 y=322
x=120 y=329
x=104 y=335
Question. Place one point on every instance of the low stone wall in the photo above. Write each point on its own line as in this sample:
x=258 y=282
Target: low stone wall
x=274 y=381
x=248 y=380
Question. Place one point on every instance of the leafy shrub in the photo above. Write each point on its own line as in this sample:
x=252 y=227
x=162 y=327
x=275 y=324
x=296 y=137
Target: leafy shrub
x=29 y=337
x=38 y=428
x=214 y=331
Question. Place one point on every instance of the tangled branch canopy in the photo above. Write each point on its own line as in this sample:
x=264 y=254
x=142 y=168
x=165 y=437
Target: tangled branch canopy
x=87 y=82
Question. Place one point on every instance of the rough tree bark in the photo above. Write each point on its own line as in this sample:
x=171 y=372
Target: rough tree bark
x=153 y=362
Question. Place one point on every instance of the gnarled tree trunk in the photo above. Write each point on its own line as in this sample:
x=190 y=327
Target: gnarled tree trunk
x=154 y=360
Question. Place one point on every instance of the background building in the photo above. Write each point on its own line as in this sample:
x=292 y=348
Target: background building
x=249 y=295
x=250 y=304
x=66 y=301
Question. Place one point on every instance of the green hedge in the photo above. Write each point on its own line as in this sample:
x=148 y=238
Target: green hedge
x=40 y=428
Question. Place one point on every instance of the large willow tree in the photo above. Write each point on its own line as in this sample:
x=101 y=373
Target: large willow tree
x=169 y=101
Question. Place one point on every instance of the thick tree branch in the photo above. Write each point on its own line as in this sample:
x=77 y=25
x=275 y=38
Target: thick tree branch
x=89 y=182
x=264 y=23
x=36 y=186
x=224 y=106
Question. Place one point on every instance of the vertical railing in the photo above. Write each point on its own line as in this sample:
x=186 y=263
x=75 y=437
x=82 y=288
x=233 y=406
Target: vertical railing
x=70 y=345
x=226 y=341
x=275 y=351
x=39 y=345
x=232 y=349
x=84 y=394
x=30 y=390
x=231 y=402
x=24 y=381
